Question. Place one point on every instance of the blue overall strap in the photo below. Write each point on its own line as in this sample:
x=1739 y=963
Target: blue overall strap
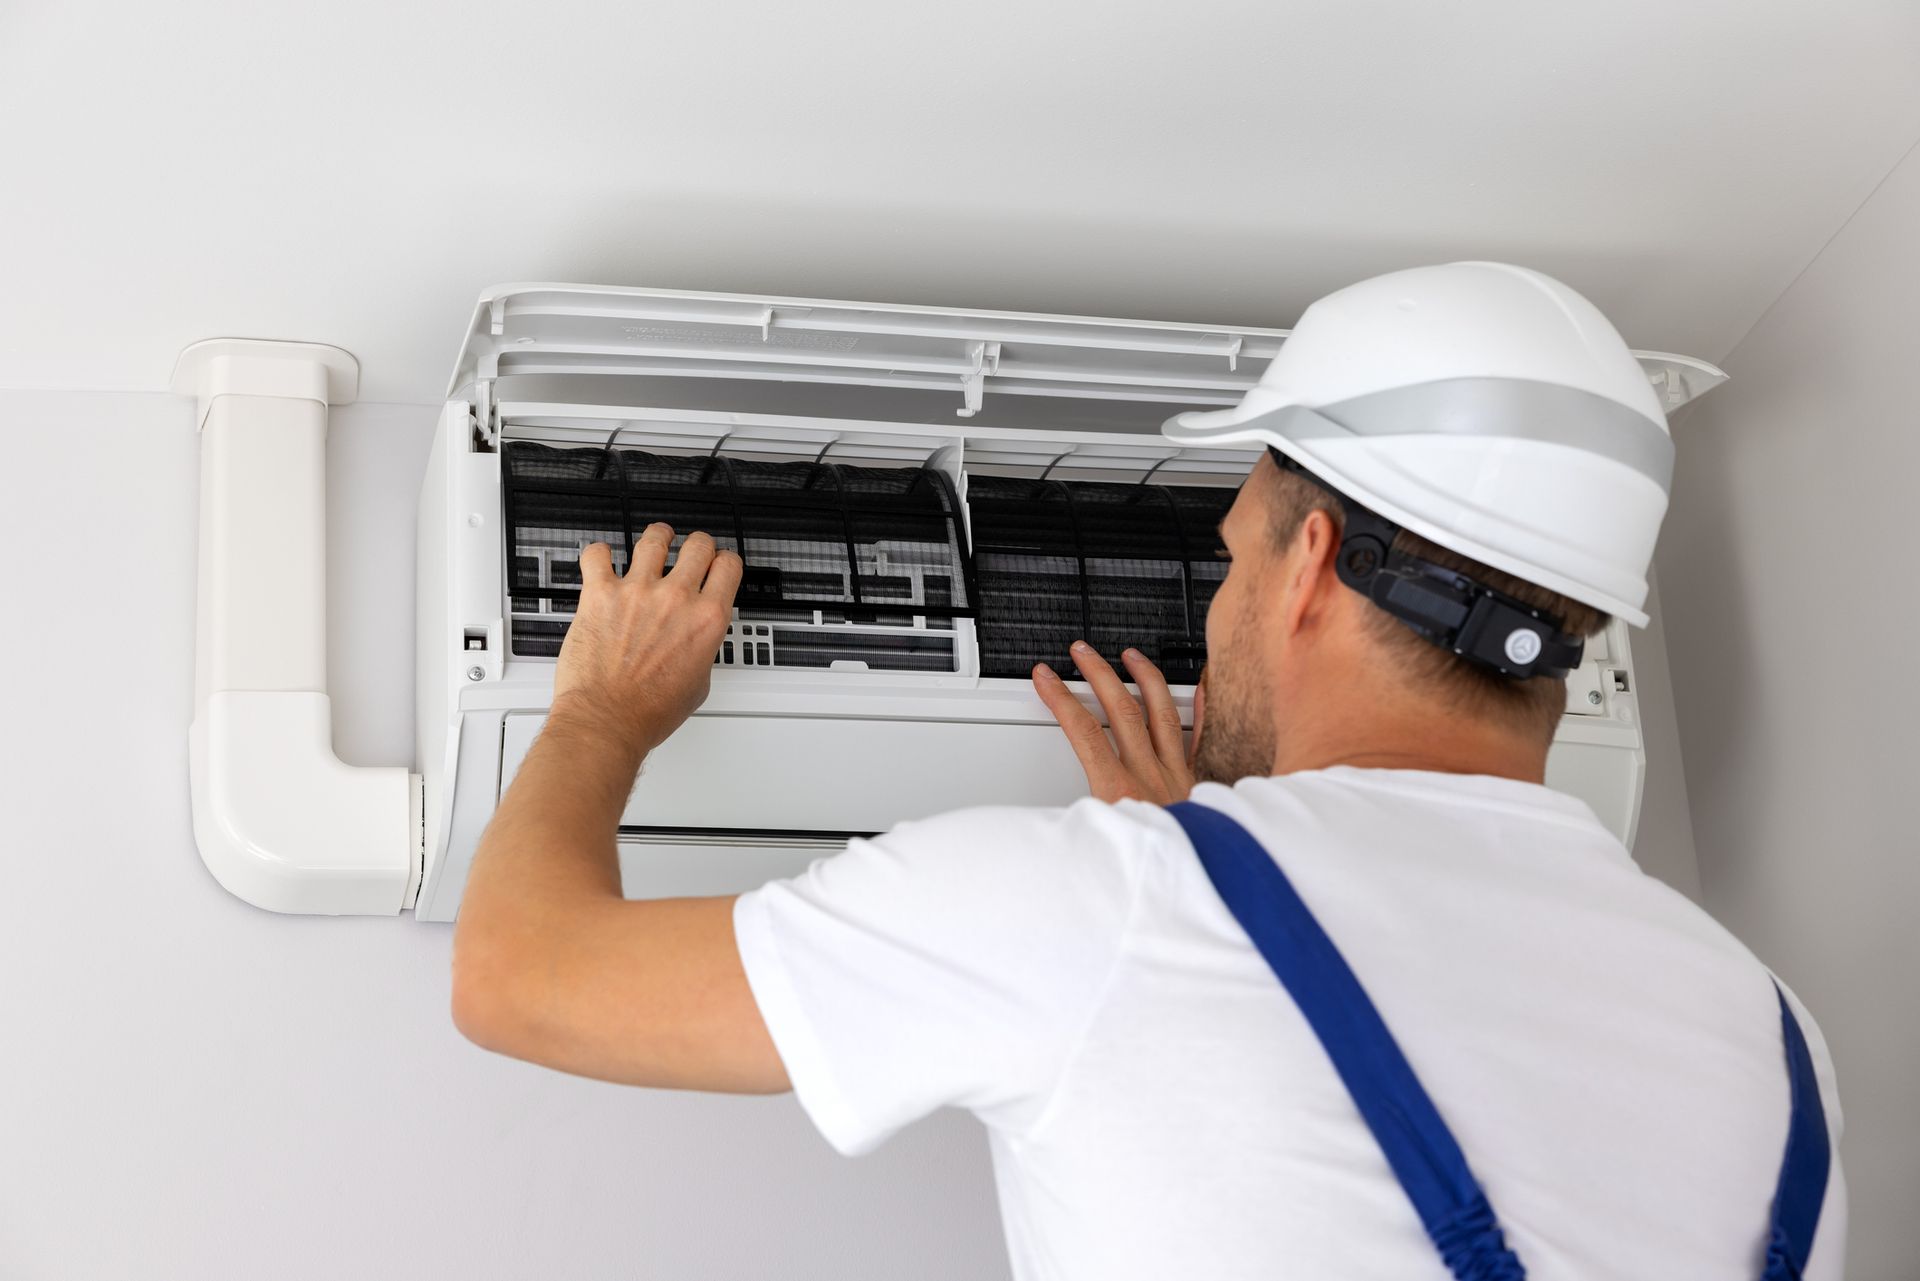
x=1802 y=1189
x=1417 y=1143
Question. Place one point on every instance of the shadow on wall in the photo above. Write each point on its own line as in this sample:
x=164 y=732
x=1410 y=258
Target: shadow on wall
x=1719 y=733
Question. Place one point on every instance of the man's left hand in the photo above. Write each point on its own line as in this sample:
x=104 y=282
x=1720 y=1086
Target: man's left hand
x=1146 y=759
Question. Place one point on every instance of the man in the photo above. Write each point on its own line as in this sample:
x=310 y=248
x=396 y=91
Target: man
x=1617 y=1073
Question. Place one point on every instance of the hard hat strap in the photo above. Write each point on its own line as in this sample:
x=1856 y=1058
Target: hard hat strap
x=1452 y=610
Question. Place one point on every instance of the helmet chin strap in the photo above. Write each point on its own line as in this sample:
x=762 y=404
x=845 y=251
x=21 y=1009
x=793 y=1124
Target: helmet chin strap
x=1452 y=610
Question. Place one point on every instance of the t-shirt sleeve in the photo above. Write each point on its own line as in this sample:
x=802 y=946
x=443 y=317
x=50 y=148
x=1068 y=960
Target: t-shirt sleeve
x=954 y=961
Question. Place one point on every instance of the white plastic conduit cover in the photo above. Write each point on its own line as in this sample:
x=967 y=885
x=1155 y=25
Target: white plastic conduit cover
x=280 y=821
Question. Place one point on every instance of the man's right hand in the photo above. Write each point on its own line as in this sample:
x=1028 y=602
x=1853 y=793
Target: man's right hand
x=638 y=659
x=1146 y=758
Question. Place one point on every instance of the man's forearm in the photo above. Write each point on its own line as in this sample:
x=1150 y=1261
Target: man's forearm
x=548 y=866
x=551 y=964
x=552 y=841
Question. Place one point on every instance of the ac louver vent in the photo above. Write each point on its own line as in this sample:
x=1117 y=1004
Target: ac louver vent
x=1119 y=564
x=845 y=564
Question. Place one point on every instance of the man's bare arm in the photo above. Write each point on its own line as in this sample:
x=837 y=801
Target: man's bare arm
x=550 y=964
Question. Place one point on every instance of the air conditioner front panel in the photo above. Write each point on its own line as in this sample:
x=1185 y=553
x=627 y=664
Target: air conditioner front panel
x=732 y=801
x=807 y=783
x=529 y=330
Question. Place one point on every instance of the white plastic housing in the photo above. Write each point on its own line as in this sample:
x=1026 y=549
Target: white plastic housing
x=279 y=820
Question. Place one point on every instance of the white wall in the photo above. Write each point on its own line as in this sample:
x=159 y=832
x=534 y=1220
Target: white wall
x=1664 y=844
x=355 y=172
x=192 y=1088
x=1788 y=570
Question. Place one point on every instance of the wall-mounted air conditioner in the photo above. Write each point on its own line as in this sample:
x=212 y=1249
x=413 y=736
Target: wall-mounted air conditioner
x=928 y=501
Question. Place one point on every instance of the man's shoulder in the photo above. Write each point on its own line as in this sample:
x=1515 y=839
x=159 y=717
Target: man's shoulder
x=1089 y=832
x=1049 y=889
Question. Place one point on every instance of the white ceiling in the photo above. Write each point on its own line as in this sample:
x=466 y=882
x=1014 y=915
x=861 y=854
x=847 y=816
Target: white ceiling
x=354 y=172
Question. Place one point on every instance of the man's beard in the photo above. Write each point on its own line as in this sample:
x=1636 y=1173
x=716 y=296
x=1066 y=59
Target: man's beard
x=1236 y=722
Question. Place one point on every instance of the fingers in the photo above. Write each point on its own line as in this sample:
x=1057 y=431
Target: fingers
x=1105 y=775
x=696 y=554
x=596 y=564
x=1129 y=723
x=650 y=552
x=1163 y=718
x=723 y=578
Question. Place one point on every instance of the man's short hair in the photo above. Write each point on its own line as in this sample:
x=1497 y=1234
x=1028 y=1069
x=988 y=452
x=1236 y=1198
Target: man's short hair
x=1533 y=705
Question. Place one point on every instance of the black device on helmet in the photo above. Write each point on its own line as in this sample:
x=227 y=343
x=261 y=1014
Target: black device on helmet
x=1452 y=610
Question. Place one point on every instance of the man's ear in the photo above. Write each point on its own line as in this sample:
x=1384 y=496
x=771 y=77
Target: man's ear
x=1310 y=575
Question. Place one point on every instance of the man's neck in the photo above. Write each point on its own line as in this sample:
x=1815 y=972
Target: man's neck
x=1421 y=738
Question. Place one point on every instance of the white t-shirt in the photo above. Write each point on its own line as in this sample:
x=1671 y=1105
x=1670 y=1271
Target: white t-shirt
x=1608 y=1057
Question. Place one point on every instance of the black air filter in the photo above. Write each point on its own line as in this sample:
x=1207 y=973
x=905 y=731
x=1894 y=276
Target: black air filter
x=869 y=544
x=1116 y=564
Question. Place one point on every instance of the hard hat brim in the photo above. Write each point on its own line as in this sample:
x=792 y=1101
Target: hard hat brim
x=1348 y=462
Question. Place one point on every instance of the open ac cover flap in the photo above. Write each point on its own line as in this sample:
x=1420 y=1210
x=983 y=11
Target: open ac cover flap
x=928 y=501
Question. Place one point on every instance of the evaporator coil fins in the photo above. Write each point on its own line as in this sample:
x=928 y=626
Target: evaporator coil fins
x=864 y=567
x=1118 y=564
x=855 y=564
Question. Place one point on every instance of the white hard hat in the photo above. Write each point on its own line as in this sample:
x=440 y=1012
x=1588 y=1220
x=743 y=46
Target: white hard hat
x=1487 y=408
